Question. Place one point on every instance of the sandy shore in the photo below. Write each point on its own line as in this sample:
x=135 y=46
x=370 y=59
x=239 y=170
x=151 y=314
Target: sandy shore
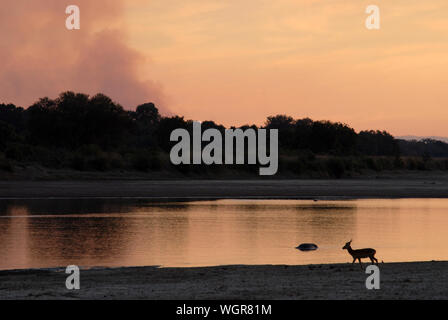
x=416 y=280
x=429 y=187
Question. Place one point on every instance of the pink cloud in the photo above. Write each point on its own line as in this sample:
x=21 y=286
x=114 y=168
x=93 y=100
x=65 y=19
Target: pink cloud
x=40 y=57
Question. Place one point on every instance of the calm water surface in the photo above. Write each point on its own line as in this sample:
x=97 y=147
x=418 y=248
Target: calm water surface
x=52 y=233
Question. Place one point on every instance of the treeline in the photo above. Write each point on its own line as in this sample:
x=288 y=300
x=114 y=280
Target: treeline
x=425 y=148
x=84 y=132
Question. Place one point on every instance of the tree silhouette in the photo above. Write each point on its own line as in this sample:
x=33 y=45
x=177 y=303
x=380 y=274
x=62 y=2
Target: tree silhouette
x=95 y=133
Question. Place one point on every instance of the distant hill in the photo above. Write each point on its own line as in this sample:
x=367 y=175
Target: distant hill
x=423 y=146
x=418 y=138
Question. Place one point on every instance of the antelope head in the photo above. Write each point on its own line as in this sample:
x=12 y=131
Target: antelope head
x=347 y=245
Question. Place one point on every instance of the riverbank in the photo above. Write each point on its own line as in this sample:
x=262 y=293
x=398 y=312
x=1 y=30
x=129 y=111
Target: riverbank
x=413 y=280
x=417 y=187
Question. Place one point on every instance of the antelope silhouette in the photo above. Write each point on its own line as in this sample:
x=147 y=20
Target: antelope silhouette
x=361 y=253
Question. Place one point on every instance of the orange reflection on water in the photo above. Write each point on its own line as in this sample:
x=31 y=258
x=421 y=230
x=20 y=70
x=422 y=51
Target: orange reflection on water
x=51 y=233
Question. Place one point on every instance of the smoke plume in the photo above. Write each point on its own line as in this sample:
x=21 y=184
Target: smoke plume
x=40 y=57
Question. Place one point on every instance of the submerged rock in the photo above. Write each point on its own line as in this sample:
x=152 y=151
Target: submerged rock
x=307 y=247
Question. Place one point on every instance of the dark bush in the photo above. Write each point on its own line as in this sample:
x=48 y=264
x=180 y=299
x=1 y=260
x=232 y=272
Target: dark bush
x=335 y=167
x=78 y=162
x=141 y=161
x=5 y=164
x=99 y=162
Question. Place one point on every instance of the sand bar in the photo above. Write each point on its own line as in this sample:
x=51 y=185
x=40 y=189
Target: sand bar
x=215 y=189
x=414 y=280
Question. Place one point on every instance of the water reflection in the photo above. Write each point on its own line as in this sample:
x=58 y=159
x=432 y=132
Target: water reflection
x=49 y=233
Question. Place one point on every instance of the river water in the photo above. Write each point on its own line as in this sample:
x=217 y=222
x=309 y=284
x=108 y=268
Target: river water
x=87 y=233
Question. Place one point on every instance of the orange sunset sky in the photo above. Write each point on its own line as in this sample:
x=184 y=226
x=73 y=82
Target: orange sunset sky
x=237 y=62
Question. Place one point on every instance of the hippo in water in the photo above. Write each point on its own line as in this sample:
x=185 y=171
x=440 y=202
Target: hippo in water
x=307 y=247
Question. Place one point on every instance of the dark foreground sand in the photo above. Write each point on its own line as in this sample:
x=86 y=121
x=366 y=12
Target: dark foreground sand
x=427 y=187
x=417 y=280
